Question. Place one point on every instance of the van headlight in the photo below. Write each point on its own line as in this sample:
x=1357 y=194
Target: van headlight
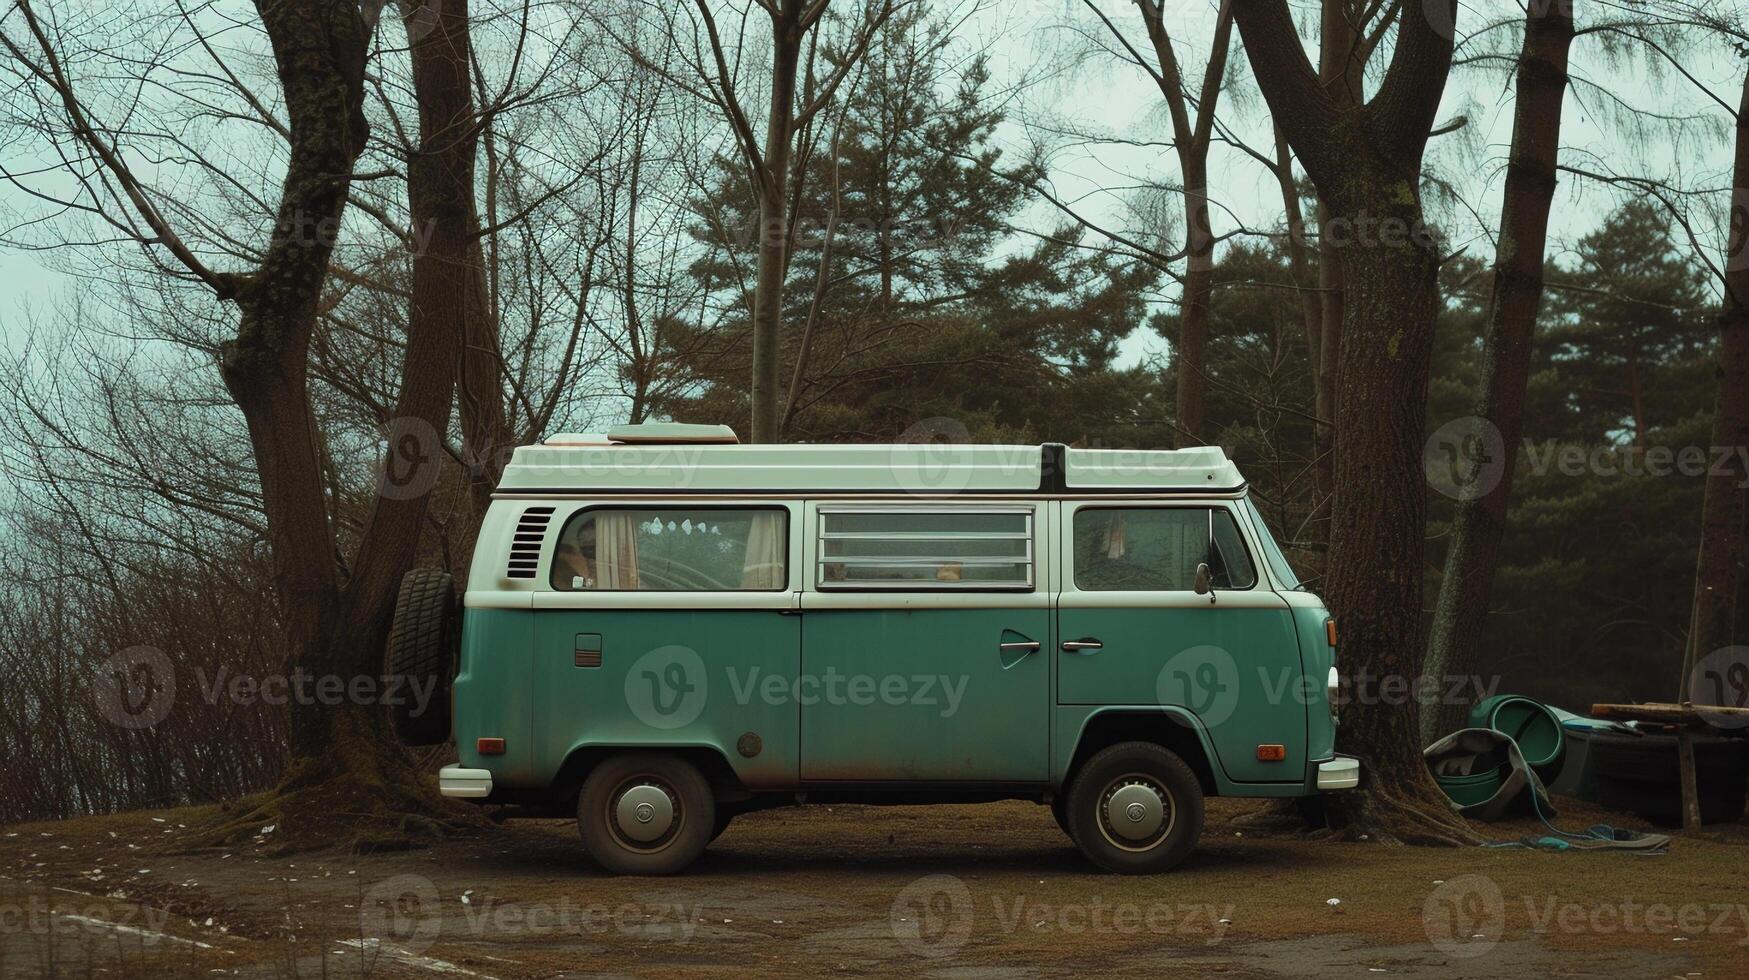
x=1332 y=687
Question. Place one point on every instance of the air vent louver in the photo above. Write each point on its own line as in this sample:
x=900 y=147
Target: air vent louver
x=525 y=546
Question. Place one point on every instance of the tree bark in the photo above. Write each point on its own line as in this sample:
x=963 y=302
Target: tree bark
x=1342 y=75
x=449 y=296
x=1190 y=355
x=1461 y=615
x=773 y=193
x=1366 y=163
x=339 y=752
x=319 y=49
x=1190 y=138
x=1719 y=568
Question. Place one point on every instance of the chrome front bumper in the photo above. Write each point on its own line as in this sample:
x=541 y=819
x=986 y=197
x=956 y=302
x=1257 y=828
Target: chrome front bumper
x=1342 y=772
x=453 y=780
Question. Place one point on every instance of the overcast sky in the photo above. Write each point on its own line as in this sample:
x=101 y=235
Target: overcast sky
x=1035 y=40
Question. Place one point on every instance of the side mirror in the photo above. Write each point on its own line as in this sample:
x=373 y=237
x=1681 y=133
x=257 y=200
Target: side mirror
x=1202 y=580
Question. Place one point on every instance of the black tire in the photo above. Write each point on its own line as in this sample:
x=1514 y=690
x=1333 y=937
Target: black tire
x=421 y=656
x=1128 y=767
x=690 y=801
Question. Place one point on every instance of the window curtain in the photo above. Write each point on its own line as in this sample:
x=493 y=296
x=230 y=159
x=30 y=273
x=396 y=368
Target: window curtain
x=616 y=550
x=1115 y=540
x=764 y=565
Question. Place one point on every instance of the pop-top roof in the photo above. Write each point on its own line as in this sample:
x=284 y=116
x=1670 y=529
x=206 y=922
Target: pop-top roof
x=582 y=464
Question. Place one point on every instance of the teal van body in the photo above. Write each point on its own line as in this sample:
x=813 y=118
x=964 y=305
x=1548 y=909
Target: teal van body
x=884 y=623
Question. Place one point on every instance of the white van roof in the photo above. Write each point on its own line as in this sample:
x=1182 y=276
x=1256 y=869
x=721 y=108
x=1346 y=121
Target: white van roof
x=573 y=464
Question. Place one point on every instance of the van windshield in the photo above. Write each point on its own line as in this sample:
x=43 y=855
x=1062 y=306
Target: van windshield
x=1272 y=553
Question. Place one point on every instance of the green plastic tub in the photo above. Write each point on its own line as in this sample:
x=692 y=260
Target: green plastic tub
x=1474 y=788
x=1529 y=723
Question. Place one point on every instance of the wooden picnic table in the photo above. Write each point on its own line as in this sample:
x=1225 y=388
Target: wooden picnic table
x=1687 y=718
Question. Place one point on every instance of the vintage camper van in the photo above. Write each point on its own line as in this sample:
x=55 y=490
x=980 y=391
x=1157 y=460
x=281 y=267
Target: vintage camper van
x=662 y=629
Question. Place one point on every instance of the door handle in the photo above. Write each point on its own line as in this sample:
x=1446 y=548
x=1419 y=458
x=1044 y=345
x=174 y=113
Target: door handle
x=1027 y=646
x=1076 y=646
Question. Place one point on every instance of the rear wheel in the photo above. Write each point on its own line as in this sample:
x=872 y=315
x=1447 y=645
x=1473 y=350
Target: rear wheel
x=1135 y=808
x=646 y=813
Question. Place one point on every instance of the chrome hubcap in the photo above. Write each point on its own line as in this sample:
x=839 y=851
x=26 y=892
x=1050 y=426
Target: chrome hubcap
x=644 y=813
x=1135 y=813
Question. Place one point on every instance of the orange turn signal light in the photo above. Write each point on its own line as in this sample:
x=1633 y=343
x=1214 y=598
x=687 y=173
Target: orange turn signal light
x=1330 y=631
x=1271 y=753
x=489 y=746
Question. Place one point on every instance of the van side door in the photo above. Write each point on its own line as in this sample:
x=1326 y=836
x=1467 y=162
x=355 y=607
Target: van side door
x=671 y=624
x=925 y=634
x=1133 y=631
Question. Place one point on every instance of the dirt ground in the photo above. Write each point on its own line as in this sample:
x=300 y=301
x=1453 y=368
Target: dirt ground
x=955 y=892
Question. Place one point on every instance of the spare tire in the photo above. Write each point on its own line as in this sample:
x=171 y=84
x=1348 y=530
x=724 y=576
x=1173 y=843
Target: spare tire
x=420 y=662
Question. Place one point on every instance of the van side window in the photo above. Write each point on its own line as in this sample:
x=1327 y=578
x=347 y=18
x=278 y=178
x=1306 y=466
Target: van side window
x=673 y=549
x=1157 y=549
x=924 y=548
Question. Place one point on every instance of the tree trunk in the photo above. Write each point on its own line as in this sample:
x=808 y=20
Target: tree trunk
x=1461 y=616
x=1378 y=522
x=319 y=50
x=772 y=186
x=449 y=275
x=1366 y=163
x=486 y=436
x=1342 y=76
x=347 y=778
x=1190 y=356
x=1324 y=404
x=1191 y=136
x=1719 y=568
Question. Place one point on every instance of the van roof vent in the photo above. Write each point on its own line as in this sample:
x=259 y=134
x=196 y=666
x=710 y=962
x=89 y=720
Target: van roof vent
x=650 y=434
x=525 y=545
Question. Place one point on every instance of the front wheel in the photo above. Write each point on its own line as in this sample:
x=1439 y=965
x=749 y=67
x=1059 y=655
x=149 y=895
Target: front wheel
x=1135 y=808
x=646 y=813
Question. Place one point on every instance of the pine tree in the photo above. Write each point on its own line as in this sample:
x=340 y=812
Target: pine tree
x=932 y=307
